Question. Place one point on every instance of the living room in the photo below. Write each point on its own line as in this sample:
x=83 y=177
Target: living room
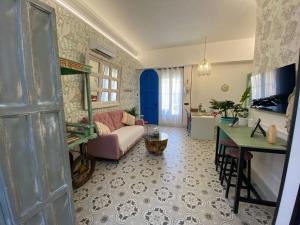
x=111 y=112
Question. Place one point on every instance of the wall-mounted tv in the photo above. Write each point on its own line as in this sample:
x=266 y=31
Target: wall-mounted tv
x=270 y=90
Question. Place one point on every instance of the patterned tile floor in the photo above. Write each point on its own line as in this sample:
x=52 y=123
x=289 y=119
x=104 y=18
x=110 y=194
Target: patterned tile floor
x=180 y=187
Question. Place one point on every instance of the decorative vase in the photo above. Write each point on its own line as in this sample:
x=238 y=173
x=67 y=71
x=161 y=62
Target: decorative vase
x=272 y=134
x=243 y=121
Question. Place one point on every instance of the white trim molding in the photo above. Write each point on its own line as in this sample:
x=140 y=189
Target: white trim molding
x=81 y=10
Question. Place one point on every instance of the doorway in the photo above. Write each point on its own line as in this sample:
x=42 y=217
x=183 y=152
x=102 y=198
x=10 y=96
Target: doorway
x=149 y=90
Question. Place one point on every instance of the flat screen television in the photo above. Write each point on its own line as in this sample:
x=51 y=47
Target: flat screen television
x=270 y=90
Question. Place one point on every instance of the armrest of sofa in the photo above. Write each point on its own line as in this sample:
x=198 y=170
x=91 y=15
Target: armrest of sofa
x=106 y=146
x=139 y=122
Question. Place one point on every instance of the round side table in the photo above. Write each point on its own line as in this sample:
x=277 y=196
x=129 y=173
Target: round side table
x=156 y=144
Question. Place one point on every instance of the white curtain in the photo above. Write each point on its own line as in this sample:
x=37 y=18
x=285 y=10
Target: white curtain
x=170 y=97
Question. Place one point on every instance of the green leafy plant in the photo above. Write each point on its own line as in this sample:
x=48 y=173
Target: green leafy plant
x=240 y=111
x=245 y=96
x=229 y=108
x=200 y=108
x=225 y=108
x=132 y=111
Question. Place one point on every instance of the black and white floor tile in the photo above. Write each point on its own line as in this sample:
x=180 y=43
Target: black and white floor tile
x=180 y=187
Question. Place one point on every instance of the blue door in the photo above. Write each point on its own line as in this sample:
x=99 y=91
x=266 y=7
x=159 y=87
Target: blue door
x=149 y=95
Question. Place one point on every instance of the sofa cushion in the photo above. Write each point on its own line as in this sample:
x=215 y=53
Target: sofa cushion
x=128 y=119
x=105 y=119
x=128 y=135
x=101 y=128
x=116 y=117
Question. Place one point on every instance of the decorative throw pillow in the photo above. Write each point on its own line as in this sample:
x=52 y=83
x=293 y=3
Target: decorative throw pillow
x=128 y=119
x=102 y=129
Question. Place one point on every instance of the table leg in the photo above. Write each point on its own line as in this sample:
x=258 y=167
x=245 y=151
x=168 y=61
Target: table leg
x=217 y=145
x=239 y=180
x=83 y=167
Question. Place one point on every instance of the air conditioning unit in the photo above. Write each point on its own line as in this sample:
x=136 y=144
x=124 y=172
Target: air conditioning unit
x=101 y=50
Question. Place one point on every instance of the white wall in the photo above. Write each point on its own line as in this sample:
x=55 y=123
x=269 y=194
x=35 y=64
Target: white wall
x=204 y=88
x=227 y=51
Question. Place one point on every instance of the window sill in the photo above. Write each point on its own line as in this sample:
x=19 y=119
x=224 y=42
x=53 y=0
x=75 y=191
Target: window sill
x=99 y=105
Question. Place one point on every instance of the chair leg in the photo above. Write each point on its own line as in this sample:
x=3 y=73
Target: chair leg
x=229 y=178
x=222 y=163
x=216 y=156
x=249 y=178
x=219 y=152
x=224 y=169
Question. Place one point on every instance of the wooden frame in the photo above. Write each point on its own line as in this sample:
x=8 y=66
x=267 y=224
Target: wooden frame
x=84 y=132
x=79 y=134
x=98 y=74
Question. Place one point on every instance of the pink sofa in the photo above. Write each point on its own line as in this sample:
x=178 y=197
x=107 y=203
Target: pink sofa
x=121 y=139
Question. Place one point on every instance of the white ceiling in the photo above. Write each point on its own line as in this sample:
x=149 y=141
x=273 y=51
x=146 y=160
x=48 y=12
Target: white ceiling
x=154 y=24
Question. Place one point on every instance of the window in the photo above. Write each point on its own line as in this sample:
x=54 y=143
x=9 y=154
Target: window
x=171 y=89
x=104 y=82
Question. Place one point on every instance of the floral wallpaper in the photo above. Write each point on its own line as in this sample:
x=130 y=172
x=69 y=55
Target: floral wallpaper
x=277 y=34
x=73 y=36
x=277 y=44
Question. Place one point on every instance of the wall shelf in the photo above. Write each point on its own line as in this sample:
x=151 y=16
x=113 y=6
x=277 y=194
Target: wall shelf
x=78 y=134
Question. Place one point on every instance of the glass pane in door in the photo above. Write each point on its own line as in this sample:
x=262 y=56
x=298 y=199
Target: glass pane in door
x=114 y=73
x=104 y=96
x=114 y=84
x=113 y=96
x=105 y=70
x=105 y=83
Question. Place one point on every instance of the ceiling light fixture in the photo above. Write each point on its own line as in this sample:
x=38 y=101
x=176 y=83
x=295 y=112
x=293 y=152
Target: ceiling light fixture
x=204 y=67
x=71 y=9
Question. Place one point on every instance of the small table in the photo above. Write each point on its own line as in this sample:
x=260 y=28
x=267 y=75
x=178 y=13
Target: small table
x=241 y=136
x=82 y=164
x=156 y=144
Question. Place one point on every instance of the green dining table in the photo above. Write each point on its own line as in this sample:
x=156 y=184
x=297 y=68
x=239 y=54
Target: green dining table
x=258 y=143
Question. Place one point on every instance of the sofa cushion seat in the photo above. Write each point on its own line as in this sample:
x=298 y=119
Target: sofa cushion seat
x=105 y=119
x=128 y=136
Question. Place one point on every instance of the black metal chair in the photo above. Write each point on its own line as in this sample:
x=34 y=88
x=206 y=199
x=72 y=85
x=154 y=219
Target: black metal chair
x=220 y=154
x=233 y=156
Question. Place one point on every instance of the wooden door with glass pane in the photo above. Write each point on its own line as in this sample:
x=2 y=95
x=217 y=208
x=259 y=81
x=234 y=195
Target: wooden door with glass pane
x=35 y=180
x=105 y=81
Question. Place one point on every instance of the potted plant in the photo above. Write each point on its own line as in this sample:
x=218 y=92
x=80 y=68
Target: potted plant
x=224 y=108
x=243 y=111
x=132 y=111
x=201 y=109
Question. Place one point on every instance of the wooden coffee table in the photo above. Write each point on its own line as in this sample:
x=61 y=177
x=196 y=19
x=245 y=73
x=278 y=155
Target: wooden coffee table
x=158 y=144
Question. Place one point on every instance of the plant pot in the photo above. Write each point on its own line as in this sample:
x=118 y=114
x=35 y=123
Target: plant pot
x=225 y=121
x=243 y=121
